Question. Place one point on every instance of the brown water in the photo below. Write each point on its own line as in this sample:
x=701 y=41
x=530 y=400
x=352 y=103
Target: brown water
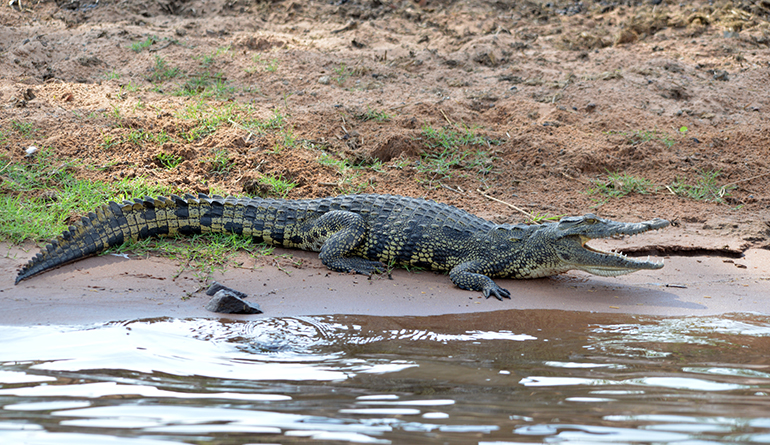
x=503 y=377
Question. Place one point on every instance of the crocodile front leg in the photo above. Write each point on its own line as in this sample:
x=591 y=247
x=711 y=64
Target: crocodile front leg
x=470 y=276
x=344 y=232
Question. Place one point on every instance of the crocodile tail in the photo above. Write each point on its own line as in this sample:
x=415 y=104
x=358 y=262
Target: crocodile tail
x=112 y=224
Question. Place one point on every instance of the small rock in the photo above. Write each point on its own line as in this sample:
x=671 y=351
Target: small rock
x=31 y=150
x=626 y=36
x=229 y=301
x=721 y=75
x=324 y=80
x=226 y=302
x=216 y=287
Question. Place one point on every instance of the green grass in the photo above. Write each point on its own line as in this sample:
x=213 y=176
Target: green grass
x=355 y=183
x=197 y=84
x=401 y=163
x=219 y=163
x=203 y=254
x=452 y=152
x=618 y=185
x=41 y=194
x=270 y=66
x=342 y=74
x=207 y=60
x=207 y=85
x=109 y=141
x=277 y=122
x=25 y=129
x=706 y=187
x=144 y=44
x=340 y=165
x=640 y=136
x=162 y=72
x=111 y=75
x=130 y=87
x=449 y=138
x=207 y=119
x=161 y=137
x=279 y=186
x=288 y=140
x=351 y=177
x=115 y=115
x=374 y=115
x=168 y=161
x=137 y=137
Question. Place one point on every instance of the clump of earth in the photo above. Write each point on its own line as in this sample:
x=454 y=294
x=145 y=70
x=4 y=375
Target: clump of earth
x=629 y=110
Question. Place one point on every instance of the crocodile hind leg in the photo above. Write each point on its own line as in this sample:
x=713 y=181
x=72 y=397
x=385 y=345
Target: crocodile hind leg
x=343 y=233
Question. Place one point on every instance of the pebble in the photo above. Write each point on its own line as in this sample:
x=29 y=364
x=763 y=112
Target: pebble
x=229 y=301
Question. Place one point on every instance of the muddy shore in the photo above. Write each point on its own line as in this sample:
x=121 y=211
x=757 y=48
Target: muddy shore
x=110 y=288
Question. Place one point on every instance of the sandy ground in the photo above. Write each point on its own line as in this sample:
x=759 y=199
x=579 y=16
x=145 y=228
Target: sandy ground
x=116 y=288
x=559 y=94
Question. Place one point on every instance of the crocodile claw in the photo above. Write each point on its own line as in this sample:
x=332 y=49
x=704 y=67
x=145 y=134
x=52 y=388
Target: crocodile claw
x=498 y=292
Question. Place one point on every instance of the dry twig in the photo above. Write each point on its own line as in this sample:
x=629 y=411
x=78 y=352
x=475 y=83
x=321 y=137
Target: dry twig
x=518 y=209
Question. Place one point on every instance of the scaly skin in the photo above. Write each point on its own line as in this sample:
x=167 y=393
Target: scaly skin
x=362 y=233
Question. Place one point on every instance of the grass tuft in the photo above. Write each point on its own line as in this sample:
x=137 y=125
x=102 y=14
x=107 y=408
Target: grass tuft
x=144 y=44
x=706 y=187
x=278 y=185
x=637 y=137
x=162 y=71
x=374 y=115
x=618 y=185
x=168 y=161
x=453 y=153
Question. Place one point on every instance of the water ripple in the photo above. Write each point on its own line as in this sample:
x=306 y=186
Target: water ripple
x=519 y=376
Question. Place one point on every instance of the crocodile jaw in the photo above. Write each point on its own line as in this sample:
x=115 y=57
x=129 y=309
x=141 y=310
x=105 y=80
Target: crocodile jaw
x=611 y=264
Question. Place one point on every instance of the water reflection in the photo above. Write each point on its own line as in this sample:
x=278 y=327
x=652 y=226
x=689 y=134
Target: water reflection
x=506 y=377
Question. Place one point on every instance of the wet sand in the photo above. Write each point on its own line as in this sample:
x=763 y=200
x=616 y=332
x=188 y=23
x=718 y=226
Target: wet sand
x=108 y=288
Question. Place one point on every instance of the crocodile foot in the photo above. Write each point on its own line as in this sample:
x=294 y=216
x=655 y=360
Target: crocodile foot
x=497 y=291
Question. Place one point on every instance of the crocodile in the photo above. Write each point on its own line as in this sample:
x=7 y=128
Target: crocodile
x=364 y=234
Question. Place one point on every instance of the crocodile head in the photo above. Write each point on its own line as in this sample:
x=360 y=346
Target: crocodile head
x=562 y=246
